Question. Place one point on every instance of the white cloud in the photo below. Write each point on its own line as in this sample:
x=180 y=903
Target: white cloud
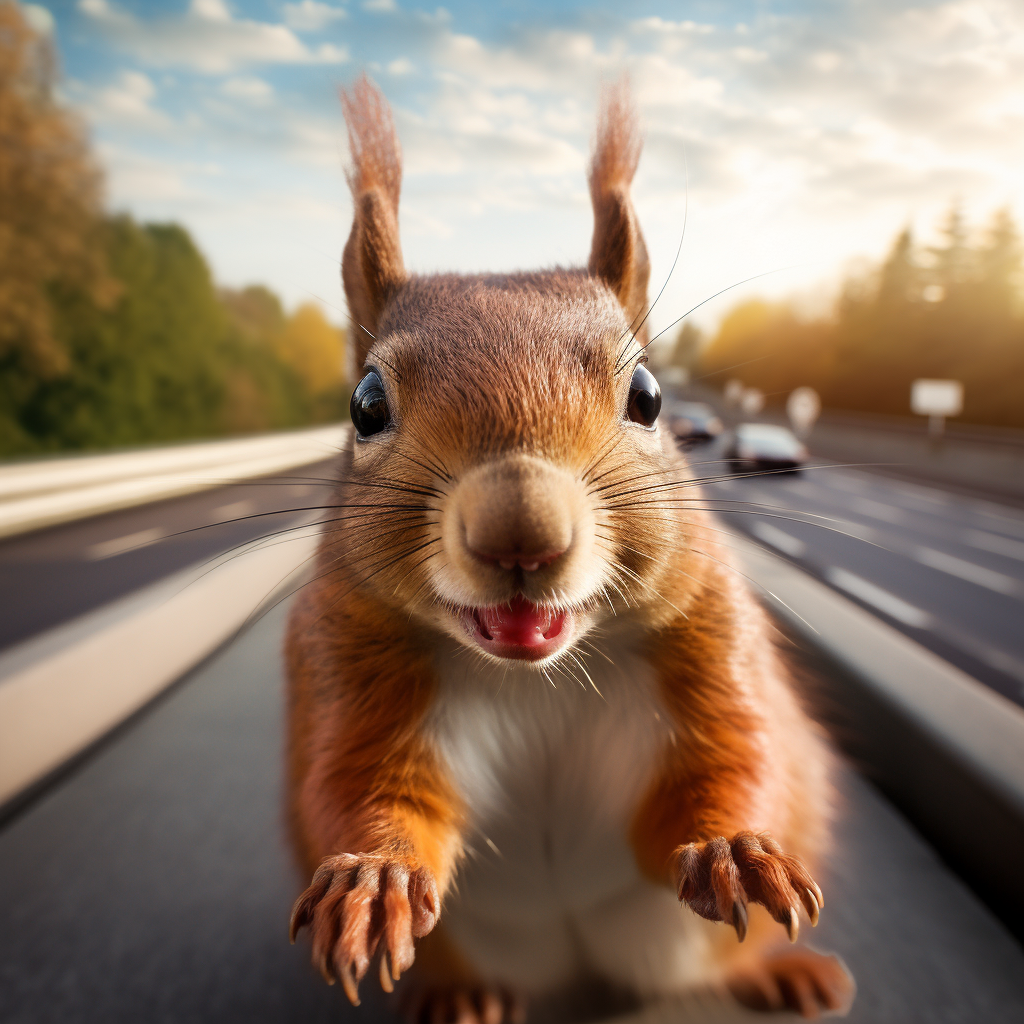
x=206 y=39
x=39 y=18
x=248 y=88
x=380 y=6
x=804 y=140
x=125 y=103
x=311 y=15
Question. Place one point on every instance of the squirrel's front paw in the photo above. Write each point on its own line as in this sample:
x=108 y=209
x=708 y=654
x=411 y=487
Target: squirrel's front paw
x=356 y=903
x=717 y=879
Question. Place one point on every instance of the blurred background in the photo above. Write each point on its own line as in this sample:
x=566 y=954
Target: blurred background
x=831 y=195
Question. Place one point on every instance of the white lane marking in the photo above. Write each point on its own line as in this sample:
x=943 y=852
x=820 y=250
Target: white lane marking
x=235 y=510
x=119 y=545
x=996 y=544
x=848 y=482
x=779 y=539
x=875 y=509
x=967 y=571
x=875 y=596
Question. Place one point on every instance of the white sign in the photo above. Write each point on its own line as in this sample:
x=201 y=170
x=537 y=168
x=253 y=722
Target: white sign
x=803 y=408
x=937 y=397
x=752 y=401
x=733 y=391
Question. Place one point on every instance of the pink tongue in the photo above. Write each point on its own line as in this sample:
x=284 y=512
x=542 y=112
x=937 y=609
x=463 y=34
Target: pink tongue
x=521 y=623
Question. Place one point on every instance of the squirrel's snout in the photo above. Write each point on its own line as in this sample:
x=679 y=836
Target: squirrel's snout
x=518 y=522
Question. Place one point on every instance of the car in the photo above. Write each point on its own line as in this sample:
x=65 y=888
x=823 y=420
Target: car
x=755 y=446
x=693 y=421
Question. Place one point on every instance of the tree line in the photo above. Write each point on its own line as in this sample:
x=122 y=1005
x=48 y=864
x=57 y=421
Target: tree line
x=112 y=332
x=953 y=310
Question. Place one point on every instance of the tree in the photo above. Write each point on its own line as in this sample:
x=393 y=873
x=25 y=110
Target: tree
x=687 y=349
x=50 y=200
x=314 y=348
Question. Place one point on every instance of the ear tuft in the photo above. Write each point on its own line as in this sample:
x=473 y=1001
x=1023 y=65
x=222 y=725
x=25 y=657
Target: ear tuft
x=618 y=255
x=372 y=268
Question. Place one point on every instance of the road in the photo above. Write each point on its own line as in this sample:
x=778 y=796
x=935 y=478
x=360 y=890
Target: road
x=154 y=884
x=946 y=569
x=54 y=575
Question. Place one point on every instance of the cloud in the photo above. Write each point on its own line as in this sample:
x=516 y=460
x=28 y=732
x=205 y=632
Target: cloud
x=311 y=15
x=803 y=139
x=380 y=6
x=39 y=18
x=254 y=90
x=206 y=39
x=127 y=103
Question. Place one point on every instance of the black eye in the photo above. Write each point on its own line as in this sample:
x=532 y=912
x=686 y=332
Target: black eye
x=369 y=406
x=644 y=397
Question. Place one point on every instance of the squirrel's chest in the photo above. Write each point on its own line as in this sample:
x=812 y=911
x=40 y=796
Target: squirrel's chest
x=551 y=776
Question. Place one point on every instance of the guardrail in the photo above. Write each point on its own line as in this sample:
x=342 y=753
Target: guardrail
x=948 y=751
x=38 y=494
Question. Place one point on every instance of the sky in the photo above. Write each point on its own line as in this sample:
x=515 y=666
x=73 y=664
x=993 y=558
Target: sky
x=791 y=139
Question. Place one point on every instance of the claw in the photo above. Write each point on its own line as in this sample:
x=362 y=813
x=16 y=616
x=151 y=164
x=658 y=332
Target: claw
x=793 y=926
x=739 y=919
x=385 y=974
x=348 y=983
x=817 y=895
x=811 y=906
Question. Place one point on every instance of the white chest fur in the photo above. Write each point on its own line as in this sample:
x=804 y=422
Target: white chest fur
x=551 y=775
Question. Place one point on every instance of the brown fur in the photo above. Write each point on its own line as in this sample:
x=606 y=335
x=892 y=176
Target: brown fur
x=507 y=395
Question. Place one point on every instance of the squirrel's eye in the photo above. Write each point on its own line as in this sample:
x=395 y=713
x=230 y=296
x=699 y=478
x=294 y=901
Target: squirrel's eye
x=369 y=406
x=644 y=397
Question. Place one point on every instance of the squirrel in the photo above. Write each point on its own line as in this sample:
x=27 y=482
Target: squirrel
x=532 y=707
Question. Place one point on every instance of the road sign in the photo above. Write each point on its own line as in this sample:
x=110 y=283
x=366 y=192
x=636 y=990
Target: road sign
x=752 y=401
x=803 y=408
x=936 y=399
x=734 y=391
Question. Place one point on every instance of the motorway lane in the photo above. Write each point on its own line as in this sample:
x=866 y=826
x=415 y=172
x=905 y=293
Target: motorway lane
x=54 y=575
x=945 y=568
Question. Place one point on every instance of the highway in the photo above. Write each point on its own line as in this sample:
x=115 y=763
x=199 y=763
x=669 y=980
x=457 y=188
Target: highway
x=153 y=881
x=944 y=568
x=57 y=574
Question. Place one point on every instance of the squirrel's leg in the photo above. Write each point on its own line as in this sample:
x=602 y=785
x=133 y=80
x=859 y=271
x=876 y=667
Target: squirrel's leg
x=371 y=809
x=740 y=799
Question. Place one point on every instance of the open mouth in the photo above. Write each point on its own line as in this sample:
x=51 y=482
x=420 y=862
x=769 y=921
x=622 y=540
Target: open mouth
x=519 y=630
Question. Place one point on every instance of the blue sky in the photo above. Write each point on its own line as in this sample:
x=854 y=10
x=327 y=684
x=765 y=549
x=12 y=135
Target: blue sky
x=808 y=133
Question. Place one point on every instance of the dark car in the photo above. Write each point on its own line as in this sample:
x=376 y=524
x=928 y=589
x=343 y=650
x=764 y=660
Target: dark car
x=764 y=446
x=693 y=421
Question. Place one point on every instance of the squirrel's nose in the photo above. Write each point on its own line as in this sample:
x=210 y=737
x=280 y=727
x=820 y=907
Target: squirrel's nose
x=515 y=513
x=527 y=561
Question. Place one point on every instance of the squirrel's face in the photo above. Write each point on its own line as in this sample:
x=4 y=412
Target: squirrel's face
x=509 y=483
x=507 y=448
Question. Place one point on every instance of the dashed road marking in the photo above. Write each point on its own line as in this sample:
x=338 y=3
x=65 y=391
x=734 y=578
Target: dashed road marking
x=779 y=539
x=996 y=544
x=119 y=545
x=965 y=570
x=891 y=605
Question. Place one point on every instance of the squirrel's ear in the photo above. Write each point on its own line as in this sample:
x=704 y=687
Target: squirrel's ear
x=618 y=255
x=371 y=267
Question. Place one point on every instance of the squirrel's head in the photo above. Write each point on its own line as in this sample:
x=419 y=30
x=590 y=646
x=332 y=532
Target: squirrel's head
x=509 y=484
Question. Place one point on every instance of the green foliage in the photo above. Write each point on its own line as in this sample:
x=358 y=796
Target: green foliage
x=167 y=360
x=950 y=311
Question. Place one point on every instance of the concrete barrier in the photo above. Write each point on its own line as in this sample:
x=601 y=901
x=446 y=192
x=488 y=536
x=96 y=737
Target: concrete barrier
x=63 y=690
x=50 y=491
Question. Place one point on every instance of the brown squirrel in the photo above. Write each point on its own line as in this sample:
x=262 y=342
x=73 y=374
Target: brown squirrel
x=532 y=707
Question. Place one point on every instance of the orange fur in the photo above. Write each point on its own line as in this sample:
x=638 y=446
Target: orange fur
x=498 y=386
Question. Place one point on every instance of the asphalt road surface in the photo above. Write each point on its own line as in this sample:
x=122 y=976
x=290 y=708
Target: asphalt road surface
x=51 y=576
x=945 y=568
x=154 y=884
